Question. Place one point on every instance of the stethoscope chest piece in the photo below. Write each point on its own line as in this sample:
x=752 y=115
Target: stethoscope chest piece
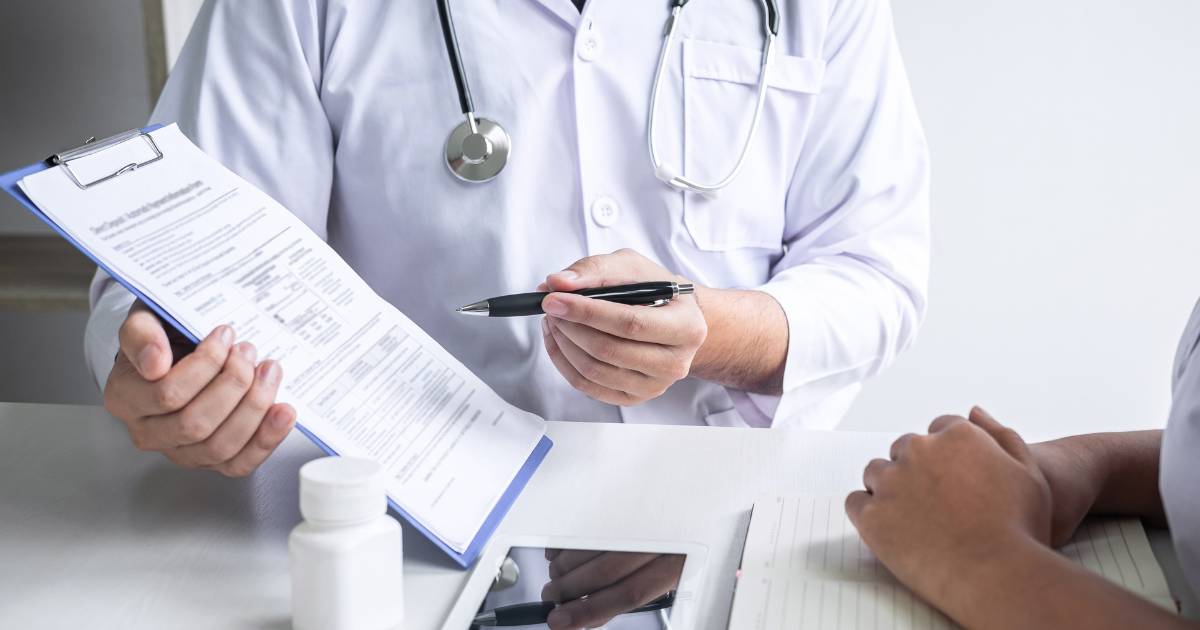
x=477 y=152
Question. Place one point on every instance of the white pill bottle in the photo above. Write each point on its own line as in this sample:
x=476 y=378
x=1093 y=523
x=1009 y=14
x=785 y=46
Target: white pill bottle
x=347 y=556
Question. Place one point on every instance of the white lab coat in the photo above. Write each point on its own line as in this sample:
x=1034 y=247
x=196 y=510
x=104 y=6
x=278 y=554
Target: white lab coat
x=340 y=109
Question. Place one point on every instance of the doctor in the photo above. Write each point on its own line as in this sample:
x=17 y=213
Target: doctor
x=811 y=258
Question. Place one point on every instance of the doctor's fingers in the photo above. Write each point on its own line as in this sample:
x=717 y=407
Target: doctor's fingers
x=680 y=323
x=634 y=384
x=648 y=583
x=620 y=267
x=144 y=343
x=567 y=560
x=238 y=427
x=270 y=434
x=568 y=371
x=201 y=416
x=650 y=359
x=130 y=395
x=589 y=578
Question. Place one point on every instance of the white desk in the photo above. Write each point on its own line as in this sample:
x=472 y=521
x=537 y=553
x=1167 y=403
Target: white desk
x=94 y=534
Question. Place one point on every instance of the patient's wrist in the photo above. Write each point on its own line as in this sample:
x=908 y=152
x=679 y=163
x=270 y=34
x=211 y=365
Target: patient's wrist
x=990 y=585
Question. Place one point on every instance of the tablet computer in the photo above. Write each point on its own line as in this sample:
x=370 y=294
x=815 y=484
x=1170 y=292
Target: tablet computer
x=522 y=581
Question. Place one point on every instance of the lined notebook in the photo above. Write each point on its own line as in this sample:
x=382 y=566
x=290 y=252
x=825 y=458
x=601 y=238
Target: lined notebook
x=804 y=566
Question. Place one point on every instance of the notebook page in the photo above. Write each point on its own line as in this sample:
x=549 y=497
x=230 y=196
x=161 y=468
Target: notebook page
x=804 y=566
x=1119 y=549
x=211 y=249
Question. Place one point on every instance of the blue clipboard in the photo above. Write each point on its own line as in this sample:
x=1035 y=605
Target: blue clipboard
x=8 y=182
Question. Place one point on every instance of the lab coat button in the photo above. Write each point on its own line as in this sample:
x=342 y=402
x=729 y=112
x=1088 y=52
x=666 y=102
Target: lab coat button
x=605 y=211
x=588 y=47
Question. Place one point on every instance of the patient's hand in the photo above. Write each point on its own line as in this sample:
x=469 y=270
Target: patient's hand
x=1075 y=475
x=613 y=583
x=963 y=497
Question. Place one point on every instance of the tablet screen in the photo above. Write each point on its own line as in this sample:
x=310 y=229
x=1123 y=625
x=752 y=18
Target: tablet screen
x=561 y=588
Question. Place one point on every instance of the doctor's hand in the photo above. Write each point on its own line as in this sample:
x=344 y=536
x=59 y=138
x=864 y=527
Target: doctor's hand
x=965 y=498
x=203 y=406
x=617 y=353
x=592 y=587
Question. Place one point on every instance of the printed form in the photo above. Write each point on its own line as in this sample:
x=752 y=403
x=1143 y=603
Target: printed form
x=212 y=249
x=804 y=566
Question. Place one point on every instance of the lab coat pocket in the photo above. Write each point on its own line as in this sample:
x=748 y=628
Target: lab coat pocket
x=720 y=91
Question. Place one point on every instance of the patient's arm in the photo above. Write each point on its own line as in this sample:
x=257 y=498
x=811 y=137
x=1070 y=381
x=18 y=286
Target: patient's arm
x=963 y=516
x=1101 y=473
x=1031 y=586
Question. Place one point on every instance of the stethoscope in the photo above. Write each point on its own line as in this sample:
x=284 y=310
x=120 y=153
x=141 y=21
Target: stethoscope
x=478 y=148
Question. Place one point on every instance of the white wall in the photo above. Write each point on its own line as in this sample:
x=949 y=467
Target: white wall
x=1066 y=151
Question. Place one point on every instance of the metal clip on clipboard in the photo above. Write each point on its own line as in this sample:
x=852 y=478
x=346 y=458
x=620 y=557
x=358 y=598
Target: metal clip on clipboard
x=92 y=147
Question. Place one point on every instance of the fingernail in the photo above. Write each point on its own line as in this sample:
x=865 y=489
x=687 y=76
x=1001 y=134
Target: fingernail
x=567 y=274
x=146 y=357
x=278 y=418
x=269 y=372
x=559 y=618
x=226 y=334
x=545 y=327
x=248 y=351
x=554 y=306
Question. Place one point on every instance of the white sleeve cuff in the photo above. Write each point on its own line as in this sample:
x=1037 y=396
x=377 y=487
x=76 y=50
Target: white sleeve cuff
x=110 y=304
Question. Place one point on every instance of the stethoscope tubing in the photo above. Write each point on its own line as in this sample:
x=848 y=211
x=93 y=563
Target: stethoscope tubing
x=497 y=142
x=450 y=37
x=670 y=175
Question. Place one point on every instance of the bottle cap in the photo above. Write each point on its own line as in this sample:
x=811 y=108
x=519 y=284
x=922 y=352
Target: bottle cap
x=342 y=490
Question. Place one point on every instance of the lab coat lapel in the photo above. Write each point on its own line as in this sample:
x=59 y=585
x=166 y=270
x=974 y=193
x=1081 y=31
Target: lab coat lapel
x=564 y=9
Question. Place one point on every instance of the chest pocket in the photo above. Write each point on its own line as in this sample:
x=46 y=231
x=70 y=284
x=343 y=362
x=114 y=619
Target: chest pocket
x=719 y=93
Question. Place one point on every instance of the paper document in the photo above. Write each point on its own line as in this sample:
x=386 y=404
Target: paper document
x=804 y=566
x=209 y=248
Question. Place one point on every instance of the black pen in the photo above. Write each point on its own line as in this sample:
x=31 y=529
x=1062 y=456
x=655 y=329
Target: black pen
x=642 y=293
x=537 y=612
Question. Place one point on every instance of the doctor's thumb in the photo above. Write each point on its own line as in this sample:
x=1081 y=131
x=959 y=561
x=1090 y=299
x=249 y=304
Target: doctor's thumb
x=584 y=273
x=565 y=280
x=144 y=343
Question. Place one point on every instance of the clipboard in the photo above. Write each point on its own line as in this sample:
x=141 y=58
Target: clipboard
x=8 y=182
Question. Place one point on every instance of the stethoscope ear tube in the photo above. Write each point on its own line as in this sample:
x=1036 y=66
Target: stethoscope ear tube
x=664 y=171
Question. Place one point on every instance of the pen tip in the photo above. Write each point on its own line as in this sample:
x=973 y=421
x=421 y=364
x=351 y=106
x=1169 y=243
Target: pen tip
x=476 y=308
